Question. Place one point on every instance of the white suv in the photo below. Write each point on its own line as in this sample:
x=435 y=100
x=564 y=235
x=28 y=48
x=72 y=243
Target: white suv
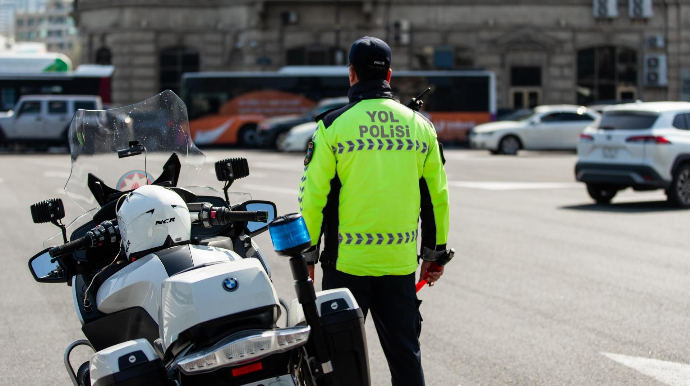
x=645 y=146
x=43 y=118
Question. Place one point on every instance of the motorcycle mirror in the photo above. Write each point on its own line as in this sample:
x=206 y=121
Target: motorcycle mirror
x=48 y=211
x=257 y=227
x=46 y=269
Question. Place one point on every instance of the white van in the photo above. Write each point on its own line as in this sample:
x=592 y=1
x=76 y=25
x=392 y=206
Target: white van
x=43 y=118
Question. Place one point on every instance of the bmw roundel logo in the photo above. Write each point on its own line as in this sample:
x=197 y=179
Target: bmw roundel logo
x=230 y=284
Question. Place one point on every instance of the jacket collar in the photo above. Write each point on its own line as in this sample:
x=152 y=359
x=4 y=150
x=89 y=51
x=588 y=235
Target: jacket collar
x=370 y=89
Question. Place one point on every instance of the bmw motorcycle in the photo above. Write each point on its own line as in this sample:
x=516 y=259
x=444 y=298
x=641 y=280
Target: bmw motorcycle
x=195 y=308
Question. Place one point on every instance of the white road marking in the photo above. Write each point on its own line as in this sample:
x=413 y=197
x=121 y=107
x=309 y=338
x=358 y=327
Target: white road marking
x=297 y=168
x=76 y=197
x=56 y=174
x=251 y=173
x=271 y=189
x=496 y=185
x=54 y=163
x=669 y=373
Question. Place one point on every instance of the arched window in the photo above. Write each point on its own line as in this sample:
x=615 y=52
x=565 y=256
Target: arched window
x=173 y=63
x=606 y=74
x=103 y=56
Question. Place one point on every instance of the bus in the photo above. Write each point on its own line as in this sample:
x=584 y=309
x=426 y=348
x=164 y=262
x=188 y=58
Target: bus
x=223 y=106
x=87 y=79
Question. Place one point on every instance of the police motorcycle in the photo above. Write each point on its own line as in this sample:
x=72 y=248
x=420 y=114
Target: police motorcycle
x=167 y=282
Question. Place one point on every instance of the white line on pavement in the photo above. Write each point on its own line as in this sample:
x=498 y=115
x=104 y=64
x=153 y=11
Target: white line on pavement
x=298 y=168
x=54 y=163
x=496 y=185
x=56 y=174
x=251 y=174
x=271 y=189
x=669 y=373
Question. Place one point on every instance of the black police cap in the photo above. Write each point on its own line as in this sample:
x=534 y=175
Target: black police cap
x=370 y=51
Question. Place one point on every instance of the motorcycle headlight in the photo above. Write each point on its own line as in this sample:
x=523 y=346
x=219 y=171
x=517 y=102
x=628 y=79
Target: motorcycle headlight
x=247 y=346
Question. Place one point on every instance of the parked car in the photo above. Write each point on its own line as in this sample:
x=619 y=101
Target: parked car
x=299 y=136
x=43 y=118
x=273 y=131
x=547 y=128
x=645 y=146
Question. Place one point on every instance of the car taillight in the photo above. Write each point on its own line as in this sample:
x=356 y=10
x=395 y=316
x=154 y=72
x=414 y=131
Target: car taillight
x=648 y=139
x=586 y=138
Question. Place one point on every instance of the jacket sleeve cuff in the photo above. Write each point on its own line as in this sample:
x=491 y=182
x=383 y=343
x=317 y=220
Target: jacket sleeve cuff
x=433 y=255
x=312 y=255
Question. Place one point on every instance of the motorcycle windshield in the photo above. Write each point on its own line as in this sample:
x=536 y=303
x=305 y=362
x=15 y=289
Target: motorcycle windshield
x=159 y=124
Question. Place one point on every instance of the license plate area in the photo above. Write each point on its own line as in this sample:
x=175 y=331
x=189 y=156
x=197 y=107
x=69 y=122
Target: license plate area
x=609 y=152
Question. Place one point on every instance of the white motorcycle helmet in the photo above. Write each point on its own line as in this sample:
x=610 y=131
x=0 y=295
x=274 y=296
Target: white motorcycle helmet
x=153 y=217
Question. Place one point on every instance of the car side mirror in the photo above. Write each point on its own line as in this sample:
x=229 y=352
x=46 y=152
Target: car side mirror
x=257 y=227
x=46 y=269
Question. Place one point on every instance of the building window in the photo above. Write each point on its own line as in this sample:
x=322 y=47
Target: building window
x=20 y=36
x=311 y=56
x=525 y=90
x=20 y=22
x=173 y=63
x=606 y=74
x=30 y=22
x=103 y=56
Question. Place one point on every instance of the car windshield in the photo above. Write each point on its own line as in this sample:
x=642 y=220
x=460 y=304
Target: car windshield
x=95 y=136
x=628 y=120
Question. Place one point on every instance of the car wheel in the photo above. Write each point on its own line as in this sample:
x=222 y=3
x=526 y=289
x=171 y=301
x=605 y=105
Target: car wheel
x=602 y=194
x=679 y=192
x=247 y=136
x=509 y=145
x=280 y=140
x=65 y=139
x=3 y=139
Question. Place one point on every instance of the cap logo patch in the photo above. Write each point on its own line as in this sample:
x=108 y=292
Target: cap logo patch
x=378 y=63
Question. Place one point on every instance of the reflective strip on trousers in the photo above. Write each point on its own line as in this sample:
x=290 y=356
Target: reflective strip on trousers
x=383 y=238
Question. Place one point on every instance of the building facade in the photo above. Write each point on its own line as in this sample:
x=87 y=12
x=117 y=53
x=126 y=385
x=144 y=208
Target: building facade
x=52 y=25
x=8 y=8
x=542 y=51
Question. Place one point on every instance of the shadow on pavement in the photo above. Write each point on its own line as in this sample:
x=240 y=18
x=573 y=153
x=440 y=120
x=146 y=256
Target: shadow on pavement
x=626 y=207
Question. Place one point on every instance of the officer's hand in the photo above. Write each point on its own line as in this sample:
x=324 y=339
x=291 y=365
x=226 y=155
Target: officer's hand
x=433 y=275
x=310 y=267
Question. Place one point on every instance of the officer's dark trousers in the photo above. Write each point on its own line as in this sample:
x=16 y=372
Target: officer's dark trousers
x=393 y=304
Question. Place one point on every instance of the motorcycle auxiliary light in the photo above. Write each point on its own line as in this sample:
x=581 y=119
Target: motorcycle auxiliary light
x=244 y=347
x=289 y=234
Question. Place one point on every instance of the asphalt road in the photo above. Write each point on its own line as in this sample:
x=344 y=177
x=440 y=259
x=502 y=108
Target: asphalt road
x=545 y=289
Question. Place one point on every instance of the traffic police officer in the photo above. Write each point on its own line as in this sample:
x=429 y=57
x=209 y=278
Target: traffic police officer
x=369 y=169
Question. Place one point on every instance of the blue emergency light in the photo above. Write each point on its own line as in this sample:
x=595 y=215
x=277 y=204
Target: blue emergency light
x=289 y=234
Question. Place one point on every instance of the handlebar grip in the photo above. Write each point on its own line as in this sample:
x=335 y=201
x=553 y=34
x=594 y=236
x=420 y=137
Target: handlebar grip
x=71 y=247
x=222 y=215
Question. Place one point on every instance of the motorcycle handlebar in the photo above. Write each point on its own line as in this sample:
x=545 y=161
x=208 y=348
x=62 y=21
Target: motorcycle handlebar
x=210 y=216
x=222 y=215
x=105 y=232
x=72 y=246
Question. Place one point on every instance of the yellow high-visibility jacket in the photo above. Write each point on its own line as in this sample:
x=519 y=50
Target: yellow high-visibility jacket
x=372 y=164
